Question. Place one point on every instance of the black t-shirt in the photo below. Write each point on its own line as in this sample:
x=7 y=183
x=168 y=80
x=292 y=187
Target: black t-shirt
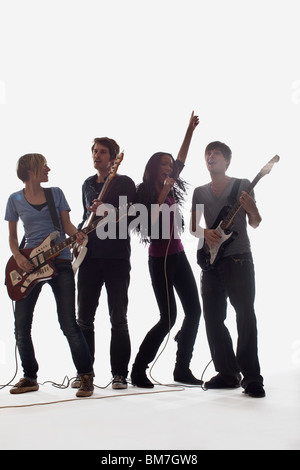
x=117 y=244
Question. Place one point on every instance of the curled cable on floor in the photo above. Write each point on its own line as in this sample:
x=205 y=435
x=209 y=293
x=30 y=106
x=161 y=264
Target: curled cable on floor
x=67 y=400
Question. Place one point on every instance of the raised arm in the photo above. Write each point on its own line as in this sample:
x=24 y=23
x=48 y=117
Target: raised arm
x=193 y=123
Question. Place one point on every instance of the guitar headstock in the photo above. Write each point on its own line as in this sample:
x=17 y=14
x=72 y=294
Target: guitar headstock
x=268 y=167
x=116 y=164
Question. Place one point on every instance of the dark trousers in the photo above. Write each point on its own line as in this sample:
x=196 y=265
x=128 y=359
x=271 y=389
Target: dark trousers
x=115 y=274
x=180 y=278
x=233 y=278
x=63 y=287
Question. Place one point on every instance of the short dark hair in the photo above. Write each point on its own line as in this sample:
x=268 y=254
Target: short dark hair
x=217 y=145
x=111 y=144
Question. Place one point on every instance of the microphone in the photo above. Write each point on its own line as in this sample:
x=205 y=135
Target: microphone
x=171 y=176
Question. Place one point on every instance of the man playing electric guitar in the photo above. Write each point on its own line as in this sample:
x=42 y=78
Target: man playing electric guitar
x=231 y=277
x=107 y=261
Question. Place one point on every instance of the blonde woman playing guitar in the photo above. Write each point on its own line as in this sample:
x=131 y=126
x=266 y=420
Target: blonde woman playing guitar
x=31 y=207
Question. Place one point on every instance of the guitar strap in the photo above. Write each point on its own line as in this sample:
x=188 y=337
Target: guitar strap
x=109 y=188
x=53 y=213
x=52 y=209
x=232 y=198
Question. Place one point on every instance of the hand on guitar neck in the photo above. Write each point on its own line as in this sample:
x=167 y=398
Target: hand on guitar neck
x=94 y=207
x=248 y=203
x=26 y=265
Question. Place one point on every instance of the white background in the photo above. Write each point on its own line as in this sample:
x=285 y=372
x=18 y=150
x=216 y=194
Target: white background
x=134 y=70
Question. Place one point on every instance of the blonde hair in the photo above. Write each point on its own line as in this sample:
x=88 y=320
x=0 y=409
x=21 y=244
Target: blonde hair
x=30 y=161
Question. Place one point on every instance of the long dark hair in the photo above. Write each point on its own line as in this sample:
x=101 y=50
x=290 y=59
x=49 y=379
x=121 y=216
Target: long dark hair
x=149 y=179
x=147 y=193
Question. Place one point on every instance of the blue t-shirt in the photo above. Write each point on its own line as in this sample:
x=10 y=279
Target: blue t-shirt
x=37 y=223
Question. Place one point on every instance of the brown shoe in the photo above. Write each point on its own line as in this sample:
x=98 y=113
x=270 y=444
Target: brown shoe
x=86 y=386
x=24 y=386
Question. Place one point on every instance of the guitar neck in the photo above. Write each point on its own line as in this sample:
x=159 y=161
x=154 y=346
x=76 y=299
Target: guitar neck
x=237 y=206
x=56 y=249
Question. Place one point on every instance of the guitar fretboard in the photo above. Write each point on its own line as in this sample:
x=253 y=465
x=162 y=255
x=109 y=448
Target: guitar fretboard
x=236 y=207
x=56 y=249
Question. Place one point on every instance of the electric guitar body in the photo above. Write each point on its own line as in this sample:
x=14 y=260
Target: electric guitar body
x=79 y=252
x=20 y=283
x=208 y=256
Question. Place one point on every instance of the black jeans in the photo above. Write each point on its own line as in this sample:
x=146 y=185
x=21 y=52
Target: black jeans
x=179 y=277
x=233 y=278
x=63 y=287
x=115 y=274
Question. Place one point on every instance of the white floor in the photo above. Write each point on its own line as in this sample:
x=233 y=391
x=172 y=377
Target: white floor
x=167 y=418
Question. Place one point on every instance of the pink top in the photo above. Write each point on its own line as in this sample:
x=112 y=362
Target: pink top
x=159 y=247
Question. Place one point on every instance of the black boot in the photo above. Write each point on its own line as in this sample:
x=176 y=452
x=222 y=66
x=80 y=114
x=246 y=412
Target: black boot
x=139 y=377
x=182 y=372
x=184 y=375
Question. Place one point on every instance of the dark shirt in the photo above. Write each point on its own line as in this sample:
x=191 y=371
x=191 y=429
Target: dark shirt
x=107 y=248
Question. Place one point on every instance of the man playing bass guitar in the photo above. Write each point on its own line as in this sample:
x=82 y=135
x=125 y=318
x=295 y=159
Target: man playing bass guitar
x=107 y=261
x=231 y=277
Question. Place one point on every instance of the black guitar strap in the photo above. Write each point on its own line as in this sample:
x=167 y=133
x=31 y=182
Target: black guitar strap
x=53 y=213
x=232 y=198
x=52 y=208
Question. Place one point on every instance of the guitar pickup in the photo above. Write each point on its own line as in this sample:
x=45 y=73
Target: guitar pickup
x=15 y=277
x=38 y=260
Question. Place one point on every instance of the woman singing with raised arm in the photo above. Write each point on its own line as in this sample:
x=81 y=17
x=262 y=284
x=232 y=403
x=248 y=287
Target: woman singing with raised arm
x=168 y=264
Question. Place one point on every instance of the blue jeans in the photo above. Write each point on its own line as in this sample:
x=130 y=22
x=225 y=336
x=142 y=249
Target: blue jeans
x=233 y=278
x=63 y=287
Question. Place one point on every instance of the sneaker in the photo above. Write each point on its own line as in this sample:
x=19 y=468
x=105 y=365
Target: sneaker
x=221 y=381
x=255 y=390
x=76 y=382
x=119 y=382
x=139 y=378
x=24 y=386
x=86 y=388
x=186 y=377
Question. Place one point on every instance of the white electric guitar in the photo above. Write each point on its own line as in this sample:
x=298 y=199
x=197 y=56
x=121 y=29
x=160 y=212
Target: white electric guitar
x=80 y=251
